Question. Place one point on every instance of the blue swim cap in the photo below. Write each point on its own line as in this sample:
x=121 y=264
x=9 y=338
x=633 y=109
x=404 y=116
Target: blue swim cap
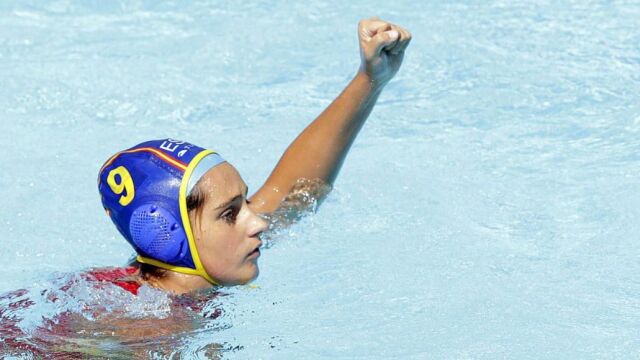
x=144 y=191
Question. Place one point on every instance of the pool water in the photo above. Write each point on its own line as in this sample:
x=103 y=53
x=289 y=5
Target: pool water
x=489 y=208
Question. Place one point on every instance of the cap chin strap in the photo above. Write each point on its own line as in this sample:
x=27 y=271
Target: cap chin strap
x=200 y=164
x=179 y=269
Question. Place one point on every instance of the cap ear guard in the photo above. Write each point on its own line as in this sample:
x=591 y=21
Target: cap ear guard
x=158 y=234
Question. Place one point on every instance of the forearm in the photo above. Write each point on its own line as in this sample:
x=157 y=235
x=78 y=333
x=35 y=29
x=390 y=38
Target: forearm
x=319 y=151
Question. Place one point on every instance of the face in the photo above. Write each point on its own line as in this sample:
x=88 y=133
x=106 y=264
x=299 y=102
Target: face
x=225 y=229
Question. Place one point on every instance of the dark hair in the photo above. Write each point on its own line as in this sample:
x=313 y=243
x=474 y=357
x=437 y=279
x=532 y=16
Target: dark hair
x=195 y=200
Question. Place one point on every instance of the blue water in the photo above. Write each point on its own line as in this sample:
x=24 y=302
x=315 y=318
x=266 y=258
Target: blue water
x=489 y=208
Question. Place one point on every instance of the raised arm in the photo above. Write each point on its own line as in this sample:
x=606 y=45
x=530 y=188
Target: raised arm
x=318 y=152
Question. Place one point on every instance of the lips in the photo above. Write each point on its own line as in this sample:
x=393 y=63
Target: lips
x=255 y=253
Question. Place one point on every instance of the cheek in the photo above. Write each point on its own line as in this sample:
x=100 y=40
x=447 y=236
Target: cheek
x=223 y=255
x=218 y=247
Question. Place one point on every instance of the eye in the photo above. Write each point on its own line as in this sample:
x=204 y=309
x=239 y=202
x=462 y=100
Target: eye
x=229 y=214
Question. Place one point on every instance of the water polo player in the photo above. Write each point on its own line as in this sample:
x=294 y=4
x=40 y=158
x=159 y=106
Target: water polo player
x=185 y=210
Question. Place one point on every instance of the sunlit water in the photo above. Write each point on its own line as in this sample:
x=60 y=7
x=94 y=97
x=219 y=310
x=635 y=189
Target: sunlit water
x=489 y=208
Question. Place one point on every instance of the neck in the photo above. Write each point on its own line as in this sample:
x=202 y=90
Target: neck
x=179 y=283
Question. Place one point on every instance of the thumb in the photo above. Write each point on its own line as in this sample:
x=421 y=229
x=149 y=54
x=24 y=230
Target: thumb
x=385 y=40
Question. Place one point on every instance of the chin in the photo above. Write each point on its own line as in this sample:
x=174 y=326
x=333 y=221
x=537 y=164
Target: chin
x=253 y=275
x=247 y=276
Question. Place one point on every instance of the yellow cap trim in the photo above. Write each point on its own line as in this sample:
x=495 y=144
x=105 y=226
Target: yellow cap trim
x=184 y=213
x=160 y=264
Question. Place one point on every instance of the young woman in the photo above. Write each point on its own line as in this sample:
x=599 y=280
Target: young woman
x=186 y=211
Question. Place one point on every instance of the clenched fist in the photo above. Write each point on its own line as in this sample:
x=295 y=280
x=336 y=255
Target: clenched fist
x=382 y=46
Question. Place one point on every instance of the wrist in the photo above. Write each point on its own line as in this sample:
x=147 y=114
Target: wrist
x=375 y=85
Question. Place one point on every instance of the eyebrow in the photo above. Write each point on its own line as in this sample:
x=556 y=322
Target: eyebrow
x=232 y=200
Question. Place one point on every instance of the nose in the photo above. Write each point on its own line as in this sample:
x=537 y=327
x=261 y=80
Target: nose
x=257 y=226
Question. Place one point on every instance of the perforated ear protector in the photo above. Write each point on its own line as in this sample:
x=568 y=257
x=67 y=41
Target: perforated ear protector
x=160 y=235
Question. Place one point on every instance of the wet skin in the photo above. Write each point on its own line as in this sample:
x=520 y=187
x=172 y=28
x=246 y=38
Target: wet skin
x=226 y=229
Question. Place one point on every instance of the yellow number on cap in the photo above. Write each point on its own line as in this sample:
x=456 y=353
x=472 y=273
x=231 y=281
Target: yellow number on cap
x=125 y=184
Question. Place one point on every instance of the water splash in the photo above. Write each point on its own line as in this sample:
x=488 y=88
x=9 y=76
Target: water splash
x=74 y=316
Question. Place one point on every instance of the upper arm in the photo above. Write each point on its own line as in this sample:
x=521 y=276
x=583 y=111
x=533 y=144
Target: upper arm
x=266 y=200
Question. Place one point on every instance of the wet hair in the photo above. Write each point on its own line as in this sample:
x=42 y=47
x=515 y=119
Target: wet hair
x=196 y=198
x=148 y=271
